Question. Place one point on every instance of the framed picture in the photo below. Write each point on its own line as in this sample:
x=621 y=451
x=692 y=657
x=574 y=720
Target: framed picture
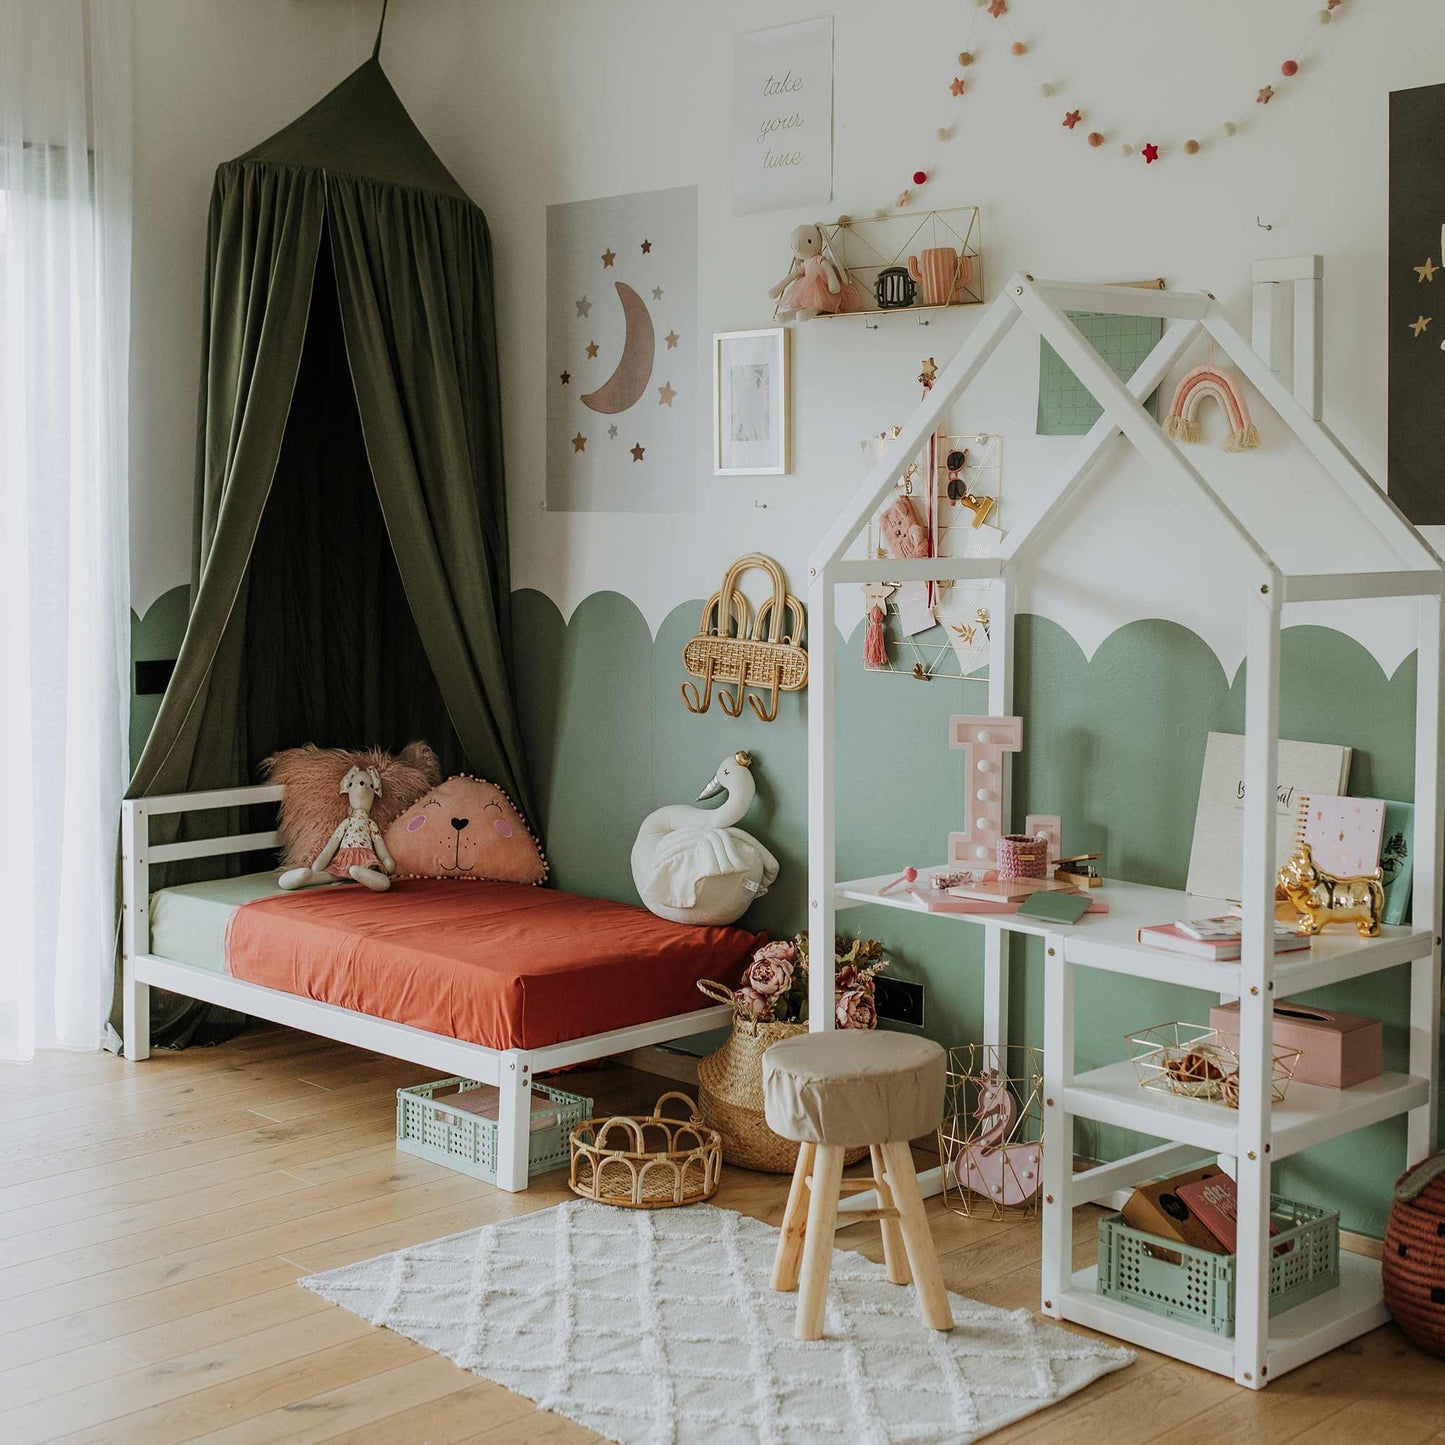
x=751 y=415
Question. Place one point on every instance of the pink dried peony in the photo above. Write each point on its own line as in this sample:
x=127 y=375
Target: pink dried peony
x=779 y=951
x=856 y=1010
x=769 y=976
x=749 y=1004
x=845 y=978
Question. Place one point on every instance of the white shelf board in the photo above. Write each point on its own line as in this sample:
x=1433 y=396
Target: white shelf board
x=1295 y=1337
x=1110 y=941
x=1309 y=1114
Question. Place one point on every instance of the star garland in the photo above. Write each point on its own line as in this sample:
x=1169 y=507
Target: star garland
x=1074 y=112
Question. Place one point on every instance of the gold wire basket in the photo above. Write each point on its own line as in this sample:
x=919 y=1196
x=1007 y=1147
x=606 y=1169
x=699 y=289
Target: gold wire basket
x=991 y=1140
x=1194 y=1062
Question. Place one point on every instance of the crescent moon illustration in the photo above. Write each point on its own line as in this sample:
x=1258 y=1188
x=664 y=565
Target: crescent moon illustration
x=634 y=368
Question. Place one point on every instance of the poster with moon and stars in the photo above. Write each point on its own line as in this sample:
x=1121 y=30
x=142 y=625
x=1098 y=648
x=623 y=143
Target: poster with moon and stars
x=622 y=353
x=1416 y=313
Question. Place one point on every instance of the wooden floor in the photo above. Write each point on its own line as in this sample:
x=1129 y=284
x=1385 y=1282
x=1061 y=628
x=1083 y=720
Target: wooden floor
x=154 y=1218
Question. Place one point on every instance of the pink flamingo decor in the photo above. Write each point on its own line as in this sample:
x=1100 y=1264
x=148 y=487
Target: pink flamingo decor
x=1008 y=1174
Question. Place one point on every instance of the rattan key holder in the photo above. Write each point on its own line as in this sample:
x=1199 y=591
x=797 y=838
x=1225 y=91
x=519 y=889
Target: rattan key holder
x=735 y=649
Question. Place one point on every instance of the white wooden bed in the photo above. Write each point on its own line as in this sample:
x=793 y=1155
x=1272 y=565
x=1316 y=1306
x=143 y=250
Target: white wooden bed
x=511 y=1070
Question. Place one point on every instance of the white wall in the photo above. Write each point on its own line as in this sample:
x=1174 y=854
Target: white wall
x=531 y=104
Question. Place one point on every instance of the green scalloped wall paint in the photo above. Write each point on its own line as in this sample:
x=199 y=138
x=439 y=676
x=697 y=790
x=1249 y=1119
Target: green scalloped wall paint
x=1114 y=743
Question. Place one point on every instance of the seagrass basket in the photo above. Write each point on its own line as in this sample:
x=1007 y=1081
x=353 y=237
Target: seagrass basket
x=646 y=1162
x=730 y=1093
x=1413 y=1266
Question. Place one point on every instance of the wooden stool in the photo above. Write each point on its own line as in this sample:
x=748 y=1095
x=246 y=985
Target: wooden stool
x=838 y=1091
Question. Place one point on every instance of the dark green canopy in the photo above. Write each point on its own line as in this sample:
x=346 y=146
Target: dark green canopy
x=349 y=574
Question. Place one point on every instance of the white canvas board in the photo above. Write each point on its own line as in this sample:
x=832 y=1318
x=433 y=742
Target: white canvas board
x=782 y=119
x=622 y=382
x=1216 y=856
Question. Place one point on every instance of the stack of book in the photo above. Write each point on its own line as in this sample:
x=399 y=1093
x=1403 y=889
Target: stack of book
x=1217 y=939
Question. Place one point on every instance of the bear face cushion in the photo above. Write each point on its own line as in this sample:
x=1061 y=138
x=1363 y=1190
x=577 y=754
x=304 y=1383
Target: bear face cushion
x=465 y=828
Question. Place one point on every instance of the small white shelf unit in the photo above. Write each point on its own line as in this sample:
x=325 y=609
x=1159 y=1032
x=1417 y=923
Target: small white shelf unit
x=1250 y=1139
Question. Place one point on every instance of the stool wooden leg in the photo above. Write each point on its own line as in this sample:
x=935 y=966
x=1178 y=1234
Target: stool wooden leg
x=895 y=1254
x=818 y=1242
x=903 y=1182
x=795 y=1218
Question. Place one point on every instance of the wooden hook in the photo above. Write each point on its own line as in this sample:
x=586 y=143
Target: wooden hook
x=690 y=693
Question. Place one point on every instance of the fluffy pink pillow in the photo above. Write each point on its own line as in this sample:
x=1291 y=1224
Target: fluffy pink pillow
x=466 y=828
x=314 y=803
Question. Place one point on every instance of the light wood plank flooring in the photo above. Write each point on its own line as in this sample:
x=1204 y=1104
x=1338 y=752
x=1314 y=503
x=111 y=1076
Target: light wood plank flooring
x=154 y=1217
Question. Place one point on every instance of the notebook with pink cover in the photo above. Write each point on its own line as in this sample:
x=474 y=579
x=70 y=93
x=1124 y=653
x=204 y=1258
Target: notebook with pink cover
x=1212 y=1201
x=1344 y=834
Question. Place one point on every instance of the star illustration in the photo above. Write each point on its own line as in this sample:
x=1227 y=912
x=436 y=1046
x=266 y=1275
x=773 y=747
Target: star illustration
x=584 y=306
x=1071 y=119
x=1150 y=153
x=579 y=443
x=904 y=196
x=665 y=394
x=672 y=339
x=612 y=430
x=657 y=293
x=997 y=8
x=1265 y=96
x=566 y=377
x=647 y=248
x=1427 y=271
x=608 y=257
x=637 y=449
x=957 y=86
x=1420 y=323
x=591 y=351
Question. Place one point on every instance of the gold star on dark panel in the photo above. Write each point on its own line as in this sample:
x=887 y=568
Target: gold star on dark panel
x=1420 y=323
x=591 y=351
x=566 y=377
x=647 y=248
x=1428 y=270
x=665 y=394
x=579 y=443
x=637 y=449
x=608 y=256
x=672 y=338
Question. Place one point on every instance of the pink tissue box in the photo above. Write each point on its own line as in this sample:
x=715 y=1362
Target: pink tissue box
x=1339 y=1050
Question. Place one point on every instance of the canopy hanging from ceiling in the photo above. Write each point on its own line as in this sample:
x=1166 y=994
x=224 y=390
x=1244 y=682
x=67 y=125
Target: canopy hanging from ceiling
x=349 y=574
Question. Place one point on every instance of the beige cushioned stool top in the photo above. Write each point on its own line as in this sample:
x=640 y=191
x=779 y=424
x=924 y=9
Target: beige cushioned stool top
x=853 y=1087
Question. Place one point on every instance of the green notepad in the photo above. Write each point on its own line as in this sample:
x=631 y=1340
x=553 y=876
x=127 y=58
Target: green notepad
x=1055 y=907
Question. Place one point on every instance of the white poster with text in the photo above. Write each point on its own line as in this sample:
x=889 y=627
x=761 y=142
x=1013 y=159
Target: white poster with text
x=782 y=141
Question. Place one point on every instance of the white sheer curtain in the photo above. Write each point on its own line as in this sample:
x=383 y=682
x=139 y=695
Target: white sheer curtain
x=65 y=163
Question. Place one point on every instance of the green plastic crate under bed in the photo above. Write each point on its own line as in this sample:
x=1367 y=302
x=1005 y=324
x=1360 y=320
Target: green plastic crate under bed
x=460 y=1139
x=1141 y=1269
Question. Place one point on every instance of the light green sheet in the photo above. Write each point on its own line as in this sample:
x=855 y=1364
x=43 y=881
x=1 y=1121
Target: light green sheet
x=188 y=923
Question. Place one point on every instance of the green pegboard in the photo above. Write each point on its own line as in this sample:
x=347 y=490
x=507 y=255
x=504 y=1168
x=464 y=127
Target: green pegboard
x=1066 y=406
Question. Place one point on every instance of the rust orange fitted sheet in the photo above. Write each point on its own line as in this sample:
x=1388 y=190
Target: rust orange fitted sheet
x=499 y=964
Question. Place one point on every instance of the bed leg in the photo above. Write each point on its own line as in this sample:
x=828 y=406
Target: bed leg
x=136 y=1011
x=514 y=1121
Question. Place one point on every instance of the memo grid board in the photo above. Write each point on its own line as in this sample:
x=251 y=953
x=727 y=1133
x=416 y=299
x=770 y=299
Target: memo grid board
x=1066 y=407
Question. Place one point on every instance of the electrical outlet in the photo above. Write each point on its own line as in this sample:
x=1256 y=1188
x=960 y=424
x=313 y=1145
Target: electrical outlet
x=899 y=1000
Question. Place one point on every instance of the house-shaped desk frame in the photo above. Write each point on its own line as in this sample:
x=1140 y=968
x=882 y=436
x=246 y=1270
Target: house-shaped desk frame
x=1249 y=1141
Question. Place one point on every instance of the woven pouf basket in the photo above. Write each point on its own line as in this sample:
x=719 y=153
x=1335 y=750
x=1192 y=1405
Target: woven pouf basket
x=730 y=1094
x=1414 y=1261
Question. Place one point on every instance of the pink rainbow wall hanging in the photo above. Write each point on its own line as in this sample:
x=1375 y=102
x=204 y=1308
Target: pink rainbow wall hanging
x=1192 y=392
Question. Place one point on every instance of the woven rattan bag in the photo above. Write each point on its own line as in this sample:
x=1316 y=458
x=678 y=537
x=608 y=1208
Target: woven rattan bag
x=730 y=1093
x=1414 y=1258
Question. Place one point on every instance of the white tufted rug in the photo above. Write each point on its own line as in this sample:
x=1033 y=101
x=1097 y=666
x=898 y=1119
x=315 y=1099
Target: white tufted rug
x=659 y=1328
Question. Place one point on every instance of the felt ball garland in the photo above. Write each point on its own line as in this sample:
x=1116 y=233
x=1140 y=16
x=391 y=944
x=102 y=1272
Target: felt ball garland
x=1150 y=151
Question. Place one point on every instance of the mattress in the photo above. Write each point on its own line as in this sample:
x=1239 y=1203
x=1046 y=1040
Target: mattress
x=500 y=964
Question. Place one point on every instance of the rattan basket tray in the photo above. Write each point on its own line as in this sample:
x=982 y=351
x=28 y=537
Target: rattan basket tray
x=646 y=1162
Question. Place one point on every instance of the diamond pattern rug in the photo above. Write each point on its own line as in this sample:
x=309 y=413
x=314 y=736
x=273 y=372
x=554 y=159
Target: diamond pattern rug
x=659 y=1328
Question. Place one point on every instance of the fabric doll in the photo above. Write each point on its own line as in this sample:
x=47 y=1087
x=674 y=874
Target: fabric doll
x=812 y=284
x=356 y=850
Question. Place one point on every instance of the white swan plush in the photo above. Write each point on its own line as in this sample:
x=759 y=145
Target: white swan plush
x=692 y=865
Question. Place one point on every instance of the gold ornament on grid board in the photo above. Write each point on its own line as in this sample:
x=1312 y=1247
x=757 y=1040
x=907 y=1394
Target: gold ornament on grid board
x=1151 y=151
